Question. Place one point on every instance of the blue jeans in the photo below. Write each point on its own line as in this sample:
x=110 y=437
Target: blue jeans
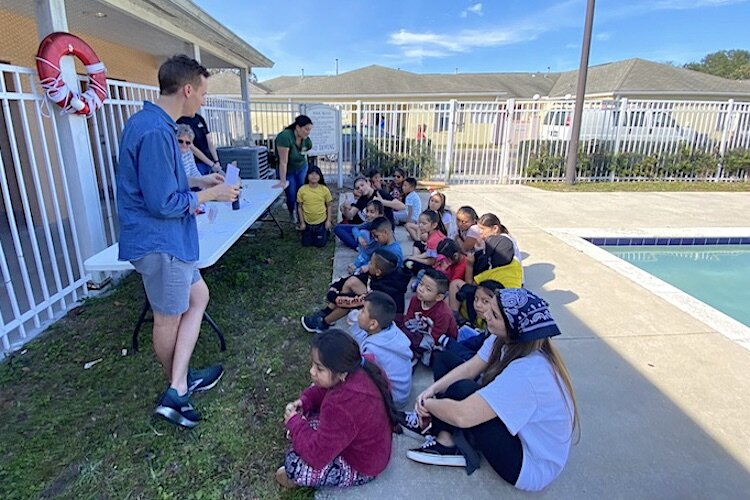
x=345 y=234
x=295 y=180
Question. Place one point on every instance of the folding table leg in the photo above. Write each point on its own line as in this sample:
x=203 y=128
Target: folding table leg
x=208 y=319
x=142 y=319
x=268 y=212
x=139 y=323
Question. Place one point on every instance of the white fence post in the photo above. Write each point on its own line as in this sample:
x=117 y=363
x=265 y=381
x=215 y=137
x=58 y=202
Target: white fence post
x=245 y=91
x=505 y=141
x=358 y=157
x=726 y=127
x=75 y=144
x=451 y=135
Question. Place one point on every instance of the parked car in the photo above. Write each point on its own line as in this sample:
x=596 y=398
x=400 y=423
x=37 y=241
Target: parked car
x=606 y=124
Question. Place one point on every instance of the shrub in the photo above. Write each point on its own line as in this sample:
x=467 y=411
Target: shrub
x=417 y=157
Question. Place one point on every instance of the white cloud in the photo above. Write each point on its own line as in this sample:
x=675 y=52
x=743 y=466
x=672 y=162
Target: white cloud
x=692 y=4
x=603 y=37
x=474 y=9
x=418 y=45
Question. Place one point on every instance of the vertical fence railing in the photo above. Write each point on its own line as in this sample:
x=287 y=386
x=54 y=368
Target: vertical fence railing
x=226 y=120
x=40 y=259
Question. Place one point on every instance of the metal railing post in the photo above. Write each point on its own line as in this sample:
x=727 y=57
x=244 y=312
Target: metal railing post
x=727 y=126
x=451 y=135
x=358 y=139
x=510 y=107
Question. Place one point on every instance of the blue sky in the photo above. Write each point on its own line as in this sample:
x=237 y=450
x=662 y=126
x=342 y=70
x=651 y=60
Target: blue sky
x=444 y=36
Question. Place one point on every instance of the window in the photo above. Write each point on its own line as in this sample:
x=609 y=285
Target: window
x=483 y=113
x=442 y=117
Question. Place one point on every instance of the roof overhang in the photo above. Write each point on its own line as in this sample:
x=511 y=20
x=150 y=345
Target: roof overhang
x=158 y=27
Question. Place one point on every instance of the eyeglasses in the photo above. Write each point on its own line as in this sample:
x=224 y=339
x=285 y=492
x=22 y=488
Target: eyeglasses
x=398 y=176
x=182 y=141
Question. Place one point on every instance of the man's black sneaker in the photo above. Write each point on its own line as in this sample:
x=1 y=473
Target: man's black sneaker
x=205 y=379
x=409 y=421
x=177 y=409
x=433 y=453
x=314 y=324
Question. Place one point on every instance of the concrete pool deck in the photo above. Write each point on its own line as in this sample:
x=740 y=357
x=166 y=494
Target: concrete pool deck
x=664 y=399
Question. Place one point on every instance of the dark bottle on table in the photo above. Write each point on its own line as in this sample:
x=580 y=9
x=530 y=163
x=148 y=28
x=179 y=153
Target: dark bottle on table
x=236 y=204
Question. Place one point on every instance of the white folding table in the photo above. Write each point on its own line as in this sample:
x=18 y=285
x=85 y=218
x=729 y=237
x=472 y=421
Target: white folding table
x=214 y=238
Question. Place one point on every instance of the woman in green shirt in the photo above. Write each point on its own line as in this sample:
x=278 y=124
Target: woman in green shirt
x=292 y=145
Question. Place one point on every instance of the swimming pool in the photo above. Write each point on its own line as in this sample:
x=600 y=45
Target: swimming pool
x=649 y=246
x=718 y=275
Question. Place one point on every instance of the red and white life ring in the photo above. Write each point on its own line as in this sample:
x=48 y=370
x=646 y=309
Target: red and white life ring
x=51 y=50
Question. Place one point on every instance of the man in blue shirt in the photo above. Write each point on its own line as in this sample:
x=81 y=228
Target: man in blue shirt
x=158 y=233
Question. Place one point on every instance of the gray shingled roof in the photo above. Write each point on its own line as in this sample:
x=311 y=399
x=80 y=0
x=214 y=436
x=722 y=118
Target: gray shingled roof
x=628 y=77
x=378 y=80
x=636 y=76
x=227 y=83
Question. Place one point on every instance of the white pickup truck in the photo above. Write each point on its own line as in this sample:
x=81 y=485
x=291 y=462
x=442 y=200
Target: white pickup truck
x=607 y=125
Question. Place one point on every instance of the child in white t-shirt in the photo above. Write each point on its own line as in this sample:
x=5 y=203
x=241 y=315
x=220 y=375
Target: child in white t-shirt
x=523 y=415
x=413 y=203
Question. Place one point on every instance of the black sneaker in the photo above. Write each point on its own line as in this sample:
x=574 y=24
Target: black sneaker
x=433 y=453
x=409 y=421
x=314 y=324
x=177 y=409
x=205 y=379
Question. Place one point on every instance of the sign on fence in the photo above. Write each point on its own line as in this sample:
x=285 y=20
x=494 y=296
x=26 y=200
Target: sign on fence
x=326 y=130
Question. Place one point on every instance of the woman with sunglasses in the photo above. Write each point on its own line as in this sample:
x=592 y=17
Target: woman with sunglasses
x=185 y=137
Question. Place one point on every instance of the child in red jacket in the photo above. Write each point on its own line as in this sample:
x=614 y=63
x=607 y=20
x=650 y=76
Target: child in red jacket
x=428 y=316
x=340 y=427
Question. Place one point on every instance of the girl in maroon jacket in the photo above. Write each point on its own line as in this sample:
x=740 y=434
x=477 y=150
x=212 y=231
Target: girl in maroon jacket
x=340 y=427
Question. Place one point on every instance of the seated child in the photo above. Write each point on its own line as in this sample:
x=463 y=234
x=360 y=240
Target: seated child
x=378 y=335
x=498 y=261
x=424 y=252
x=450 y=260
x=397 y=184
x=361 y=233
x=376 y=180
x=314 y=207
x=436 y=202
x=381 y=232
x=428 y=316
x=413 y=203
x=471 y=336
x=467 y=231
x=383 y=274
x=340 y=427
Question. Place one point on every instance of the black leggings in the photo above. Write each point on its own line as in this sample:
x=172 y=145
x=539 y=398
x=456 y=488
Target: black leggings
x=500 y=448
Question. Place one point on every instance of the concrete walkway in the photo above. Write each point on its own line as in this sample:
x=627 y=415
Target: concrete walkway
x=664 y=400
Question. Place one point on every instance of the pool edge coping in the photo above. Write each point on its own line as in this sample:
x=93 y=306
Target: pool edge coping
x=713 y=318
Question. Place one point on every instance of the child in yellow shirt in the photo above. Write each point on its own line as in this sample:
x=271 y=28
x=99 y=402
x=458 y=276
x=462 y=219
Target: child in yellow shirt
x=314 y=207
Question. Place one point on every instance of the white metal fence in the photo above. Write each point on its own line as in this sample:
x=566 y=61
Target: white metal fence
x=40 y=259
x=520 y=140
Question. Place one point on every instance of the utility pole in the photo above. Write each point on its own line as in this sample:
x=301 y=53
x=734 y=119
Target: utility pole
x=337 y=66
x=575 y=133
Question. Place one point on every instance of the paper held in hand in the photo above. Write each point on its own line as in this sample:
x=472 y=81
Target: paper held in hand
x=233 y=174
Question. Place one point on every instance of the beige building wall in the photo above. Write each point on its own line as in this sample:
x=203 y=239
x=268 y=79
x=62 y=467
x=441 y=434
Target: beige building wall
x=19 y=42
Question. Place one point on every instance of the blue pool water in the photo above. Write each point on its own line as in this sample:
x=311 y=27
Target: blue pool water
x=718 y=275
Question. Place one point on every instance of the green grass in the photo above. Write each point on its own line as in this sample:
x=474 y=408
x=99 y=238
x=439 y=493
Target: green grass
x=74 y=433
x=644 y=186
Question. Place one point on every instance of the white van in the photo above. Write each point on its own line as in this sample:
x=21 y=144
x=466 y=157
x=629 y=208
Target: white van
x=604 y=124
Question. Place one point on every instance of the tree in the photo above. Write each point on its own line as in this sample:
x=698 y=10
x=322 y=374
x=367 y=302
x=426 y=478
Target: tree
x=732 y=64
